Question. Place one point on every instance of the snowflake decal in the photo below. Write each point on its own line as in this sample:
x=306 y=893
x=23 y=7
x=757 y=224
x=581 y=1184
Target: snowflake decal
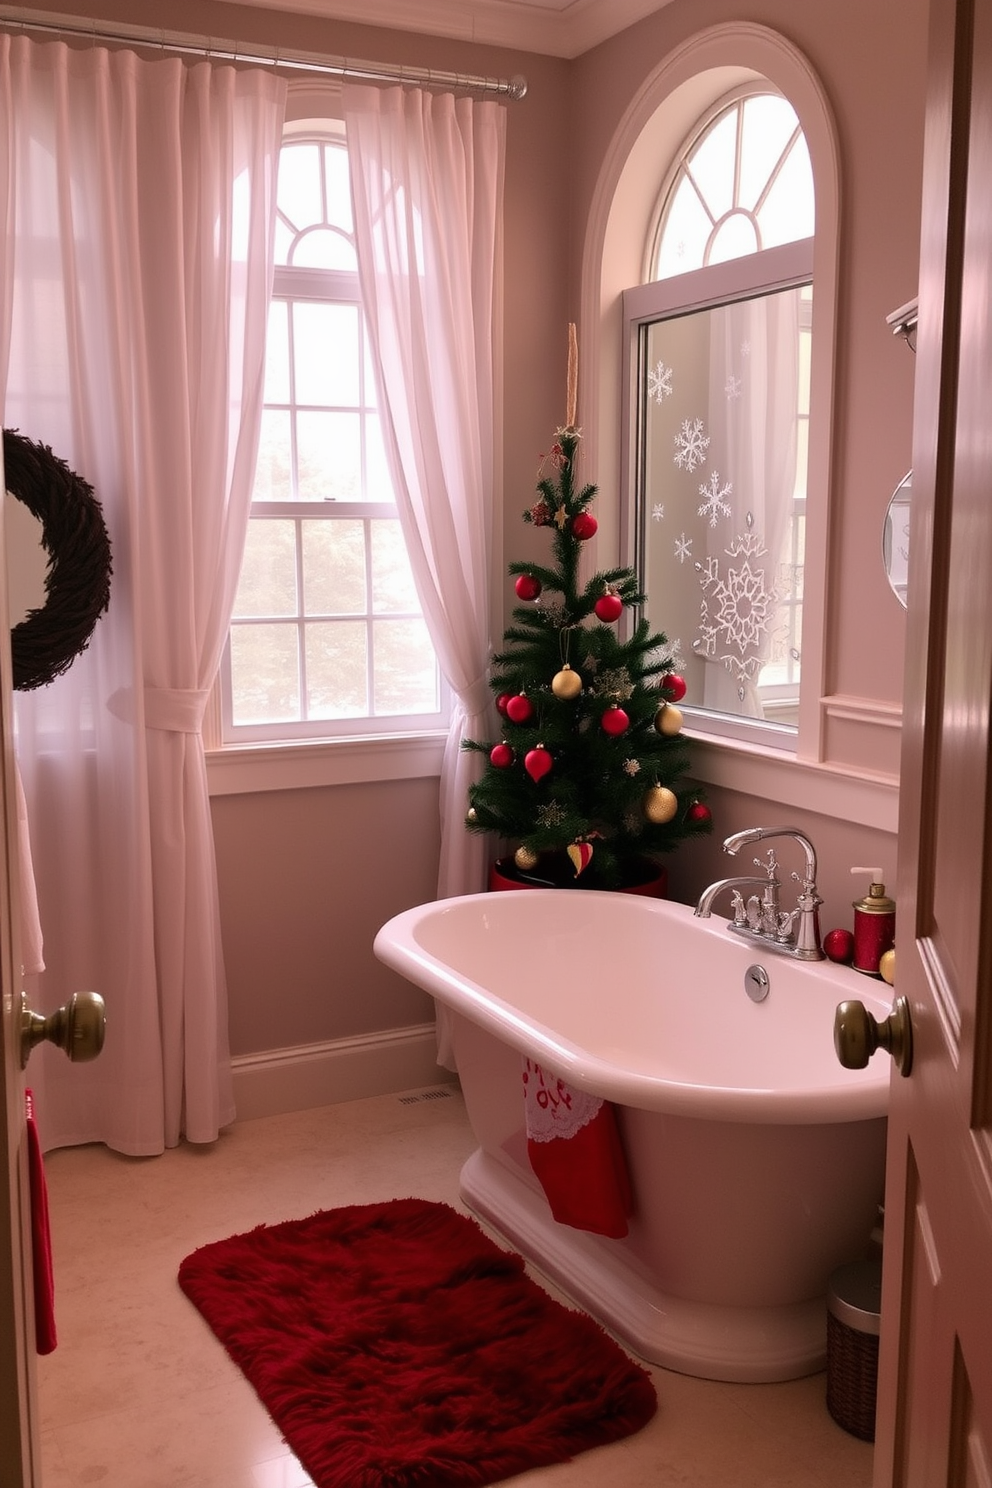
x=683 y=548
x=660 y=382
x=658 y=512
x=733 y=388
x=745 y=348
x=691 y=445
x=737 y=609
x=714 y=499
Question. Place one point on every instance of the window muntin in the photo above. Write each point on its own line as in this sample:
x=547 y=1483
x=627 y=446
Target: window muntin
x=326 y=629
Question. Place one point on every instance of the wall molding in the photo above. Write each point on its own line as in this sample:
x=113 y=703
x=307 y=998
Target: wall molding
x=275 y=1081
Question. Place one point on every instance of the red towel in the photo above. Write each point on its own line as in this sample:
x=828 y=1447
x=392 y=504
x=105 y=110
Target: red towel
x=574 y=1148
x=41 y=1239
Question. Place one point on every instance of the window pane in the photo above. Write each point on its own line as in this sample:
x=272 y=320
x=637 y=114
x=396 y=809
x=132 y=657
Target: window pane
x=338 y=187
x=334 y=567
x=685 y=234
x=323 y=248
x=265 y=682
x=337 y=669
x=393 y=590
x=788 y=212
x=768 y=125
x=268 y=570
x=329 y=455
x=273 y=472
x=405 y=670
x=298 y=191
x=712 y=164
x=734 y=238
x=325 y=348
x=378 y=482
x=277 y=354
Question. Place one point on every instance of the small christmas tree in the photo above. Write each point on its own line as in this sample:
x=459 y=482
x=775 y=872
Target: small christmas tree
x=584 y=782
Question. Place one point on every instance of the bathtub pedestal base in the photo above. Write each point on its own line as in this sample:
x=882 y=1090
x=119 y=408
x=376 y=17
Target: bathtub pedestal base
x=746 y=1344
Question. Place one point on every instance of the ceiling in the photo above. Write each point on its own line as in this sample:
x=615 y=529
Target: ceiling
x=557 y=28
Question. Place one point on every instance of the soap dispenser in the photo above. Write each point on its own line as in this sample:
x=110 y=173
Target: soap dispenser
x=874 y=923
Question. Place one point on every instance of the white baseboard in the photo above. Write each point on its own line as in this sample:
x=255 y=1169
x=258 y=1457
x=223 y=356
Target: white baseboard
x=310 y=1075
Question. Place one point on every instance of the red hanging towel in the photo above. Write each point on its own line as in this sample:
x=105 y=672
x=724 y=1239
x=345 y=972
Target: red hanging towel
x=41 y=1240
x=574 y=1148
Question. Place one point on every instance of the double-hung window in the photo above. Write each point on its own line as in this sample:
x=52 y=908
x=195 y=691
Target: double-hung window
x=327 y=636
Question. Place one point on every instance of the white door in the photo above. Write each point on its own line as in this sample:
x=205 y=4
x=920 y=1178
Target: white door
x=20 y=1465
x=935 y=1375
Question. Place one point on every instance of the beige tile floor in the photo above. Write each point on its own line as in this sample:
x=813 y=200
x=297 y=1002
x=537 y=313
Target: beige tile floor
x=140 y=1395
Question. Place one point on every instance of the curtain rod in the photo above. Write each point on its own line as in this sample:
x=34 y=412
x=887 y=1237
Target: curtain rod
x=230 y=51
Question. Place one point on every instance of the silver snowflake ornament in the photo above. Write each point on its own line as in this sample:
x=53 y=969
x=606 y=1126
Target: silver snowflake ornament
x=691 y=444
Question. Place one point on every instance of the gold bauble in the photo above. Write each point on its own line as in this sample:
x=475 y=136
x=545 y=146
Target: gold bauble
x=566 y=683
x=525 y=858
x=887 y=967
x=668 y=719
x=660 y=804
x=470 y=815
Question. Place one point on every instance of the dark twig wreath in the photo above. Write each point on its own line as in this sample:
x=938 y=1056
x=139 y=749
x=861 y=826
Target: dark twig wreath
x=77 y=584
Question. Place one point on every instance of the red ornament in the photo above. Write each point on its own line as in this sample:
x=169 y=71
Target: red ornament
x=614 y=721
x=537 y=762
x=502 y=701
x=609 y=607
x=584 y=526
x=501 y=755
x=519 y=708
x=527 y=586
x=839 y=946
x=699 y=812
x=673 y=686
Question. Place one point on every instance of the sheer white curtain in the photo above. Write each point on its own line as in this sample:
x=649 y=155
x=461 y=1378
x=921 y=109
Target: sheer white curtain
x=139 y=222
x=427 y=188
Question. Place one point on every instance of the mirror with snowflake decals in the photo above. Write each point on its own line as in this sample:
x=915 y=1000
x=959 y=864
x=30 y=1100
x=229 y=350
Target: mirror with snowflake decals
x=718 y=412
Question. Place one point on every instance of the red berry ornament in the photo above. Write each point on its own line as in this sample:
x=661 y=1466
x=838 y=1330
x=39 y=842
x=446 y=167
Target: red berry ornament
x=839 y=946
x=527 y=586
x=614 y=721
x=501 y=755
x=699 y=812
x=537 y=762
x=584 y=526
x=519 y=708
x=673 y=686
x=609 y=607
x=502 y=701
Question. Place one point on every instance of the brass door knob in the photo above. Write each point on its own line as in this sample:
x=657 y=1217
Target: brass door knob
x=857 y=1034
x=78 y=1027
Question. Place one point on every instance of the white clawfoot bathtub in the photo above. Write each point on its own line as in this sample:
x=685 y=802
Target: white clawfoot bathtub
x=757 y=1161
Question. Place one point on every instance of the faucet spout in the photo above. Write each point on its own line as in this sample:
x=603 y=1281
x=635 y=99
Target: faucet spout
x=734 y=844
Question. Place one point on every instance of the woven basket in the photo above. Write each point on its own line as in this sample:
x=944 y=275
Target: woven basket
x=852 y=1377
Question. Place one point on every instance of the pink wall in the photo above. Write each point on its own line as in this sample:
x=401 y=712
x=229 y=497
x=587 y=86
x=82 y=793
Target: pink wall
x=307 y=875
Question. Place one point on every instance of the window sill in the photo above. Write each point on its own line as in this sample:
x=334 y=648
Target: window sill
x=244 y=769
x=871 y=799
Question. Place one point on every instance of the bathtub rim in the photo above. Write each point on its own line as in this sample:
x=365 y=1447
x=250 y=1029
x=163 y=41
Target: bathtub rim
x=863 y=1097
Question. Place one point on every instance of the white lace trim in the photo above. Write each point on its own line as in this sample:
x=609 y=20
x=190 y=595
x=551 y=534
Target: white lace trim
x=553 y=1111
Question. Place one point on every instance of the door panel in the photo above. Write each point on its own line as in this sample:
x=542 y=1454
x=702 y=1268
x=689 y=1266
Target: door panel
x=935 y=1365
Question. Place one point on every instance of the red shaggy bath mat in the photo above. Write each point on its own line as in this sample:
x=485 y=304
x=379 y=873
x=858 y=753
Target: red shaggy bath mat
x=395 y=1346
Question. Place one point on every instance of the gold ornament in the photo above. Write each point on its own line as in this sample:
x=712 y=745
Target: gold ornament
x=887 y=967
x=660 y=804
x=525 y=858
x=668 y=719
x=471 y=814
x=566 y=683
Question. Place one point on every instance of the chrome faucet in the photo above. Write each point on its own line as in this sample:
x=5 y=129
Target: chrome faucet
x=795 y=932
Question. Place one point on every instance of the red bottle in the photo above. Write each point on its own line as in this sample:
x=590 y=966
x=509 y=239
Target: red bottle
x=874 y=924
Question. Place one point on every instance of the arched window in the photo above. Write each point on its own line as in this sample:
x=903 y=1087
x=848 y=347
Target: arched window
x=719 y=342
x=327 y=637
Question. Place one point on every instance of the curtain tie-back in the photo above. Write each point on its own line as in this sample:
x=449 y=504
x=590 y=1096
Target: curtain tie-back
x=176 y=710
